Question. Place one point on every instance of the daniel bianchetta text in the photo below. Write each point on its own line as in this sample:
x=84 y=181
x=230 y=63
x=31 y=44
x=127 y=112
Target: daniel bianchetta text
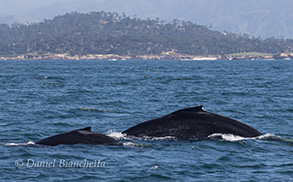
x=60 y=163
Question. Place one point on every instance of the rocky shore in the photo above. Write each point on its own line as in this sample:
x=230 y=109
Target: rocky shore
x=163 y=56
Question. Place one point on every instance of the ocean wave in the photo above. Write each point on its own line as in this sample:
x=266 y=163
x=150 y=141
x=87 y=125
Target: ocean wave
x=51 y=77
x=49 y=83
x=44 y=77
x=90 y=109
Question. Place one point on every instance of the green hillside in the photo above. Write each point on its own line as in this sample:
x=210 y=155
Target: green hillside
x=111 y=33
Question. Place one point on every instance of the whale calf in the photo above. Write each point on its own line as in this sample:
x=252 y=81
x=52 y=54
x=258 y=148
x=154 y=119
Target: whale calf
x=83 y=136
x=192 y=124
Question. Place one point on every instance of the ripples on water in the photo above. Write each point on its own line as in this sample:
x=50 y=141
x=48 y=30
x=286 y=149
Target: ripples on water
x=44 y=98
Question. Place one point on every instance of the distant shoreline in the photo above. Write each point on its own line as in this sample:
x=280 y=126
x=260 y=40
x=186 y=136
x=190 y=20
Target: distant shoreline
x=163 y=56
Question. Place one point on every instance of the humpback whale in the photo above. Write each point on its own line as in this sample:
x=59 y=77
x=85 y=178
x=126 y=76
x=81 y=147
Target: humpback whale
x=85 y=136
x=192 y=124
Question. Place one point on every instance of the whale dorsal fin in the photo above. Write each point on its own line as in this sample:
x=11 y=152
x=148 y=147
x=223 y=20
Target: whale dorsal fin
x=191 y=109
x=195 y=109
x=199 y=108
x=86 y=129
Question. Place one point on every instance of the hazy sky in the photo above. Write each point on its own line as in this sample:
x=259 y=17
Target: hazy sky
x=21 y=6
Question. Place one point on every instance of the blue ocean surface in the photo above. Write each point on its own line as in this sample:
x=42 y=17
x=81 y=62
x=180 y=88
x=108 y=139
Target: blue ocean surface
x=44 y=98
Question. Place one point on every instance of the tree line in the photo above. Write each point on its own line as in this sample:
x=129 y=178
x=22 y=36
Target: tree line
x=111 y=33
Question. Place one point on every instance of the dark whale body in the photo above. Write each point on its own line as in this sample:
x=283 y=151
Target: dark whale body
x=85 y=136
x=192 y=124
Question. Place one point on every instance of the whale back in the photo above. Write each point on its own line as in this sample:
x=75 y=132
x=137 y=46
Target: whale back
x=84 y=136
x=191 y=123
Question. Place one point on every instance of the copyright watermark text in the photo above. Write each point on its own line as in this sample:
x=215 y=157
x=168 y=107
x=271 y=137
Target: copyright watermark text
x=59 y=163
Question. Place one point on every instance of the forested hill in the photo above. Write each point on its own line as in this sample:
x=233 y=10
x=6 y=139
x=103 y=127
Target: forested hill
x=111 y=33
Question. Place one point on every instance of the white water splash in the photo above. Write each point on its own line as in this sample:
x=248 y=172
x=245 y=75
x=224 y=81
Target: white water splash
x=121 y=136
x=154 y=168
x=231 y=137
x=116 y=135
x=269 y=136
x=149 y=138
x=20 y=144
x=226 y=137
x=131 y=144
x=159 y=138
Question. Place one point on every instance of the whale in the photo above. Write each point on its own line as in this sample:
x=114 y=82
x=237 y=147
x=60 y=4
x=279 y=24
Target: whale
x=79 y=136
x=192 y=123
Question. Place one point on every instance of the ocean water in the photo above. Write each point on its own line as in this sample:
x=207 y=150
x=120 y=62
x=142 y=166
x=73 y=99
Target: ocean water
x=43 y=98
